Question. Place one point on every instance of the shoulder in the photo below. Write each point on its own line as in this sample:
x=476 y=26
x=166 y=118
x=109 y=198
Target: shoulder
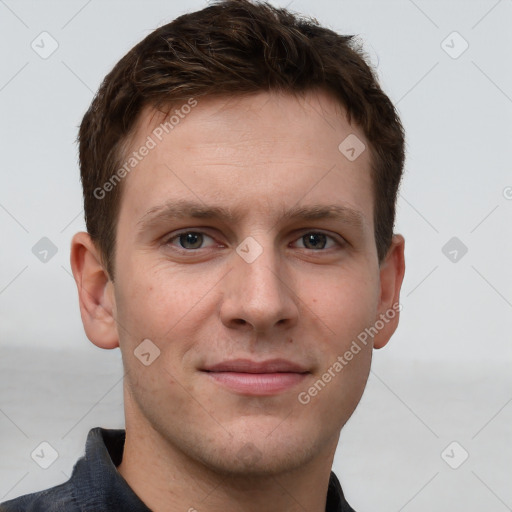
x=56 y=499
x=94 y=483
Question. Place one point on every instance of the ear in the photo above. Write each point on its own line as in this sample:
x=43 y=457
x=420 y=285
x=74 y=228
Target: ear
x=95 y=292
x=392 y=271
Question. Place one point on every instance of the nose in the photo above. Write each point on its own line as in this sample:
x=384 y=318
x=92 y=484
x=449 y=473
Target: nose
x=259 y=294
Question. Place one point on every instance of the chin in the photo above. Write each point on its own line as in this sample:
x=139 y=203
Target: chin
x=260 y=455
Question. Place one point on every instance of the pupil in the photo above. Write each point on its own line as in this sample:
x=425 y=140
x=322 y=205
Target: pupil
x=310 y=238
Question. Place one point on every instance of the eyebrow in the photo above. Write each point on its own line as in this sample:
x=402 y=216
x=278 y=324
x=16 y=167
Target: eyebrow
x=182 y=209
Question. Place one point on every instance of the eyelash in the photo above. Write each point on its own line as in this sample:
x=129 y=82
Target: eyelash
x=340 y=243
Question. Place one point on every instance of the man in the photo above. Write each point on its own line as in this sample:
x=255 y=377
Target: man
x=240 y=168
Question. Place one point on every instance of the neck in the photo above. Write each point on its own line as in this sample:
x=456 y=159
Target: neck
x=166 y=479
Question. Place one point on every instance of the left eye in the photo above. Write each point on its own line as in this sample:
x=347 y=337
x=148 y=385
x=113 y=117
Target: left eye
x=316 y=240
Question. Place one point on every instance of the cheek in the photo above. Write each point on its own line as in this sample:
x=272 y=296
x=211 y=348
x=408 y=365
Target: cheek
x=150 y=309
x=345 y=360
x=149 y=303
x=347 y=305
x=348 y=308
x=165 y=305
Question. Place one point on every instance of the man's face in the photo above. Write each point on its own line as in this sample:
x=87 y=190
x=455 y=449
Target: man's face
x=253 y=288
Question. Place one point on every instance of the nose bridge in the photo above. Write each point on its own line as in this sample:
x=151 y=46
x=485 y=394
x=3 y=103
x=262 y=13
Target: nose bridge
x=258 y=266
x=258 y=293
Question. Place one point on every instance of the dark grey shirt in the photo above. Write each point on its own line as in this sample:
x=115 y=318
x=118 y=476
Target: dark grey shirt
x=96 y=485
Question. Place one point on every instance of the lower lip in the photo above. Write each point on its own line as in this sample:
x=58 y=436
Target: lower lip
x=262 y=384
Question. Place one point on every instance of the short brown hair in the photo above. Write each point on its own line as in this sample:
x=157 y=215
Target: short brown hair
x=235 y=47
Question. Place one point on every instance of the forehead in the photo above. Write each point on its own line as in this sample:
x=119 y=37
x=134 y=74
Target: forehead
x=252 y=152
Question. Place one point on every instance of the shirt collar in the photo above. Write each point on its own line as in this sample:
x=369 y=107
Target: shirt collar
x=95 y=477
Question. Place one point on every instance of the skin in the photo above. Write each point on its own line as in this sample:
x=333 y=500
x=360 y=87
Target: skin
x=192 y=443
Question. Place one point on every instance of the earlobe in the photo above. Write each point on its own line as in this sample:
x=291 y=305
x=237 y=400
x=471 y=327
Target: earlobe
x=95 y=292
x=392 y=272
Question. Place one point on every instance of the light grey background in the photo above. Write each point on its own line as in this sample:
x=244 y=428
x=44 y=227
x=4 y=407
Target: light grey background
x=444 y=377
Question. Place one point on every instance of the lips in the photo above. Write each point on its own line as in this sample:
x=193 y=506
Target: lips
x=249 y=366
x=263 y=378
